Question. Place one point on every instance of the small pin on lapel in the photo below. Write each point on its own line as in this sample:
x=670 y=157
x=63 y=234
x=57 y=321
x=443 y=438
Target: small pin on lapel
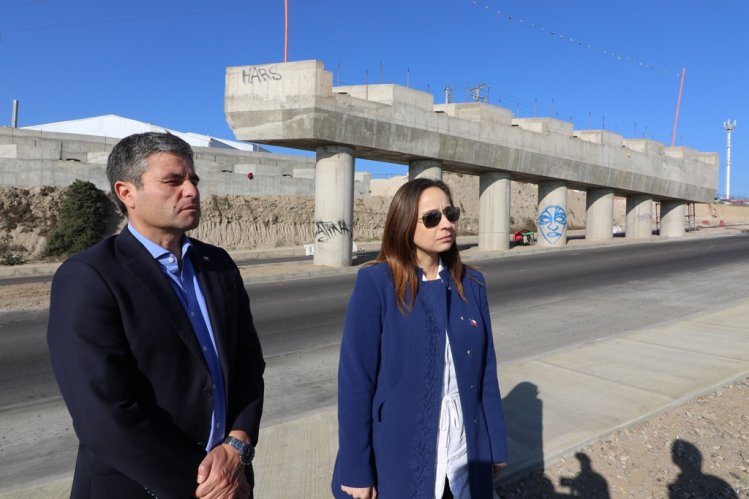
x=206 y=259
x=473 y=323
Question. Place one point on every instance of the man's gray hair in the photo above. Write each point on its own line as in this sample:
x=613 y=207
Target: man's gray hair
x=129 y=158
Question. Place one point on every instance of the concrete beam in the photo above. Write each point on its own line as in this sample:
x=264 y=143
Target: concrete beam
x=295 y=105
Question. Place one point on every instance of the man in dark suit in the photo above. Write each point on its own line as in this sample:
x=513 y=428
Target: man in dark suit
x=153 y=345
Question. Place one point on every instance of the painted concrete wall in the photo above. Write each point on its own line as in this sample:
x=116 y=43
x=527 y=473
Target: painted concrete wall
x=32 y=158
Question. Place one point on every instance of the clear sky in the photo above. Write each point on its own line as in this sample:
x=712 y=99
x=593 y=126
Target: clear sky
x=600 y=64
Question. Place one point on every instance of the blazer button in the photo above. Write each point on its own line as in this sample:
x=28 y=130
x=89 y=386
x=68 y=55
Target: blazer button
x=468 y=352
x=471 y=387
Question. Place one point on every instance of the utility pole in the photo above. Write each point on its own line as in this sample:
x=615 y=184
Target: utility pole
x=728 y=125
x=678 y=105
x=286 y=32
x=14 y=115
x=475 y=93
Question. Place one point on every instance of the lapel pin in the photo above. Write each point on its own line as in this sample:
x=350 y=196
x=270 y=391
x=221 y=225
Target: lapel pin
x=206 y=259
x=473 y=323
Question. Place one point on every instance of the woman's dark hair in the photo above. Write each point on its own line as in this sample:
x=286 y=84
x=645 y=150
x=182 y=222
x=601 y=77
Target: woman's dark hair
x=398 y=248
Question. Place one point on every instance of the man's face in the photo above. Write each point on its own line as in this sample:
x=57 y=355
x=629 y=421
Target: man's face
x=168 y=201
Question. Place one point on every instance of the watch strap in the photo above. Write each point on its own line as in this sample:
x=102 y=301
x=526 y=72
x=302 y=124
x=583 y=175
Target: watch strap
x=245 y=449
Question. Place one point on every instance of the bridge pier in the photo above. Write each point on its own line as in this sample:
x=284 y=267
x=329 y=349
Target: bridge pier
x=599 y=214
x=639 y=216
x=494 y=211
x=425 y=168
x=334 y=206
x=552 y=213
x=673 y=213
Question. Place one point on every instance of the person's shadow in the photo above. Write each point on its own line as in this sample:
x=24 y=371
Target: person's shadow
x=523 y=412
x=524 y=476
x=524 y=419
x=587 y=483
x=691 y=482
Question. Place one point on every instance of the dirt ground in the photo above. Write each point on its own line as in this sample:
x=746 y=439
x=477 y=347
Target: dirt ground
x=697 y=450
x=30 y=296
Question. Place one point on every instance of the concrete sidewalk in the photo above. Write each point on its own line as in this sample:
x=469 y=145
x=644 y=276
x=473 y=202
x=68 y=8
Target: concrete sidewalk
x=554 y=403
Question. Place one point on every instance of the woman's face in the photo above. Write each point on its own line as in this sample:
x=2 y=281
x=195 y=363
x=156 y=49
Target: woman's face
x=430 y=242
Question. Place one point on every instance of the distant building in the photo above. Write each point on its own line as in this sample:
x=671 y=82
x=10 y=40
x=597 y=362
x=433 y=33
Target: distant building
x=117 y=127
x=55 y=154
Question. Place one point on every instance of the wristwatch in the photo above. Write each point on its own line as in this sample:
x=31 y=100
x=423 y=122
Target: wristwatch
x=246 y=450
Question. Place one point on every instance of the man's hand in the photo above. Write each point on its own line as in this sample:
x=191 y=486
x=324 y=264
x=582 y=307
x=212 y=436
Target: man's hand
x=360 y=493
x=221 y=475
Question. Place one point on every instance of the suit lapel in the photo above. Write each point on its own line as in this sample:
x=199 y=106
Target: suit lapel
x=146 y=270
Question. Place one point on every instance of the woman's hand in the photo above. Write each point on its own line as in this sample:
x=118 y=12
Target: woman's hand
x=360 y=493
x=497 y=469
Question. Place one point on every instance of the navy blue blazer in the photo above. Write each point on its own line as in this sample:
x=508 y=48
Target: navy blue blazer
x=131 y=370
x=390 y=385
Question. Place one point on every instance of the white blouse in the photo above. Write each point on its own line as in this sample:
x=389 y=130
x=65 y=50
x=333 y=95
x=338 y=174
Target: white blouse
x=452 y=451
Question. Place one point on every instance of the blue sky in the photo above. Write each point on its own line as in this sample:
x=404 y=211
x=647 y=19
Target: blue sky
x=599 y=64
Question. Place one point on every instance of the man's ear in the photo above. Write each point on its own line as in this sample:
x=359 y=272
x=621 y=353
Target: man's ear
x=125 y=192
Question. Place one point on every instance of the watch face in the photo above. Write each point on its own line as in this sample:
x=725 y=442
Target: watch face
x=247 y=454
x=246 y=451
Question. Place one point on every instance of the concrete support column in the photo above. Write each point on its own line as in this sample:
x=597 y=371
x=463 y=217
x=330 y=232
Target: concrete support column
x=334 y=205
x=552 y=213
x=494 y=211
x=673 y=218
x=425 y=168
x=639 y=216
x=599 y=214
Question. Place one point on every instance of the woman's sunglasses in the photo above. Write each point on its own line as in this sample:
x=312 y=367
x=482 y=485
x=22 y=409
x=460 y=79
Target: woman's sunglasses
x=432 y=218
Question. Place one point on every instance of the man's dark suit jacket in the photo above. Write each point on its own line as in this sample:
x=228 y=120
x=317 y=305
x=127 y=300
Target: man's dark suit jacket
x=132 y=373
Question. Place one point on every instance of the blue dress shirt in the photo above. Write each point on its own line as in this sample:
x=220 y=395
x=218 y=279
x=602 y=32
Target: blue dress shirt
x=186 y=286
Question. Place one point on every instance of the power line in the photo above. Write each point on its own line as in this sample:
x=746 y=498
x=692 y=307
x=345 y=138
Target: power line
x=506 y=16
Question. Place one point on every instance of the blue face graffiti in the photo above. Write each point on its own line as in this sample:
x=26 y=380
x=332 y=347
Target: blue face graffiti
x=552 y=223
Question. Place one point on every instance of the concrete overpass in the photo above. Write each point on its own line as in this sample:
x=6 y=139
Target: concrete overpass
x=295 y=105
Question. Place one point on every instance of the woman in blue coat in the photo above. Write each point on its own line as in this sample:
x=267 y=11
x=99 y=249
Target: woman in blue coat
x=419 y=409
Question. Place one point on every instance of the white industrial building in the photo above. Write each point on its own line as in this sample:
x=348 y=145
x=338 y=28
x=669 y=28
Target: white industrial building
x=117 y=127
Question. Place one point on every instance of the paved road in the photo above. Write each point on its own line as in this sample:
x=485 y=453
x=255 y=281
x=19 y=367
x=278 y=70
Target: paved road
x=539 y=303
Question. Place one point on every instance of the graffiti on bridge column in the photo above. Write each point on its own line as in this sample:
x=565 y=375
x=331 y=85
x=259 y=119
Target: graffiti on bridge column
x=552 y=223
x=326 y=231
